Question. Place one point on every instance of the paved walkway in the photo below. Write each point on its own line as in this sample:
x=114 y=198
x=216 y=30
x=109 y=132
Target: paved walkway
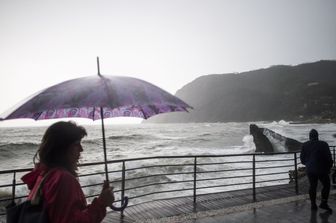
x=274 y=204
x=295 y=211
x=175 y=209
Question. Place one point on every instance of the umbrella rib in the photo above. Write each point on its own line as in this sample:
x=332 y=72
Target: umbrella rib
x=143 y=112
x=37 y=117
x=106 y=84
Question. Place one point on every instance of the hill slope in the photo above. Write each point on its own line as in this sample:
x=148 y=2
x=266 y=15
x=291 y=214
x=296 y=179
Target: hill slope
x=305 y=92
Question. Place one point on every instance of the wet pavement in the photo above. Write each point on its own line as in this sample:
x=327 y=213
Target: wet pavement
x=277 y=204
x=295 y=211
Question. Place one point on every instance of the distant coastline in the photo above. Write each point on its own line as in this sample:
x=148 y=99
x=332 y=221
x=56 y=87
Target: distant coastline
x=315 y=121
x=303 y=93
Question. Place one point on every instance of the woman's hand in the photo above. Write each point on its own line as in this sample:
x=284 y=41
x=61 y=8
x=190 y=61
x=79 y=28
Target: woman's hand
x=106 y=194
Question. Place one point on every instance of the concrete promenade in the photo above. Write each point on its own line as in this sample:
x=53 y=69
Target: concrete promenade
x=294 y=211
x=274 y=204
x=289 y=210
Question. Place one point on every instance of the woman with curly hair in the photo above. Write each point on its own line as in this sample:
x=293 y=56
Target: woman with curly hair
x=63 y=197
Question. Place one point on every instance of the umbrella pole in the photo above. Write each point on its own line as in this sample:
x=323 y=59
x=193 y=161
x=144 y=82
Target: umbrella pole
x=98 y=67
x=104 y=143
x=124 y=199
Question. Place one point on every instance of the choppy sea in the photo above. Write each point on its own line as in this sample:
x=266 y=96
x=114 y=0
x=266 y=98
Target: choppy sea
x=19 y=144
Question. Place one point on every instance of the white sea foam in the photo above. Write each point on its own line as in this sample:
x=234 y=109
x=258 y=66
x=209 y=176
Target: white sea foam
x=248 y=143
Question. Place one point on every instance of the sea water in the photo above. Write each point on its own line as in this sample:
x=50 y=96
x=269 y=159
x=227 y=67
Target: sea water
x=19 y=144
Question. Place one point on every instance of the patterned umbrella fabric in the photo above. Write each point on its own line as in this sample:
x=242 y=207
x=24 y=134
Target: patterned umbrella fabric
x=118 y=96
x=98 y=97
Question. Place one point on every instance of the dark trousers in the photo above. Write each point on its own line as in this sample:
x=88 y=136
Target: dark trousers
x=313 y=180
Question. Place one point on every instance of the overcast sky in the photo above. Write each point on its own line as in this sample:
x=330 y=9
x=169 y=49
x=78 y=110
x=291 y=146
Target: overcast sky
x=166 y=42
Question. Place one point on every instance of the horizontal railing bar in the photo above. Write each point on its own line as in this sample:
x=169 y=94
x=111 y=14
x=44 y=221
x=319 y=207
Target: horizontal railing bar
x=10 y=185
x=215 y=171
x=93 y=195
x=160 y=192
x=163 y=157
x=273 y=173
x=157 y=175
x=159 y=157
x=98 y=184
x=100 y=173
x=270 y=167
x=16 y=170
x=7 y=199
x=154 y=184
x=91 y=185
x=115 y=181
x=7 y=185
x=185 y=157
x=154 y=166
x=239 y=162
x=16 y=198
x=117 y=191
x=175 y=165
x=97 y=195
x=264 y=181
x=198 y=156
x=91 y=174
x=265 y=161
x=224 y=185
x=114 y=171
x=224 y=178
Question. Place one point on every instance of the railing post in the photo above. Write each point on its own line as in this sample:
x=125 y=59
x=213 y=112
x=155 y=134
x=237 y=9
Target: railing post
x=296 y=174
x=195 y=170
x=122 y=186
x=334 y=156
x=13 y=188
x=333 y=175
x=254 y=178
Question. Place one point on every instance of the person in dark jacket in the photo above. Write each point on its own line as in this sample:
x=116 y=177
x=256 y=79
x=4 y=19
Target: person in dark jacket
x=316 y=156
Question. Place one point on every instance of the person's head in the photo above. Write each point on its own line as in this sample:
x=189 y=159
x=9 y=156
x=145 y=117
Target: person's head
x=313 y=134
x=61 y=146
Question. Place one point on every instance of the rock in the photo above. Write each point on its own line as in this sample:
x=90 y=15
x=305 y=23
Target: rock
x=260 y=140
x=262 y=136
x=290 y=144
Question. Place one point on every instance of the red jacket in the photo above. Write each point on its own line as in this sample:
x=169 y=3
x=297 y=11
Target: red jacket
x=64 y=197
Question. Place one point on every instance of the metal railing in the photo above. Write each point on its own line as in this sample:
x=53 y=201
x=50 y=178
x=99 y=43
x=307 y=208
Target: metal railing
x=161 y=177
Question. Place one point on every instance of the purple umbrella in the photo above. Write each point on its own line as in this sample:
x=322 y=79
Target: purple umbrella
x=98 y=97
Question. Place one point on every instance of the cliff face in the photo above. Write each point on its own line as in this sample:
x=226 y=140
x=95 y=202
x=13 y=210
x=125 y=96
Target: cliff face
x=305 y=92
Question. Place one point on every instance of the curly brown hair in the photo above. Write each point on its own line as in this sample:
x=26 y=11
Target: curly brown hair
x=55 y=143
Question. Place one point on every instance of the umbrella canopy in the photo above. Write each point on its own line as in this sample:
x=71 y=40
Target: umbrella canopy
x=117 y=96
x=98 y=97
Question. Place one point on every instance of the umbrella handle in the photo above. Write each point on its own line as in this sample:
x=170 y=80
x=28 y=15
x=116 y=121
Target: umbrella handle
x=122 y=207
